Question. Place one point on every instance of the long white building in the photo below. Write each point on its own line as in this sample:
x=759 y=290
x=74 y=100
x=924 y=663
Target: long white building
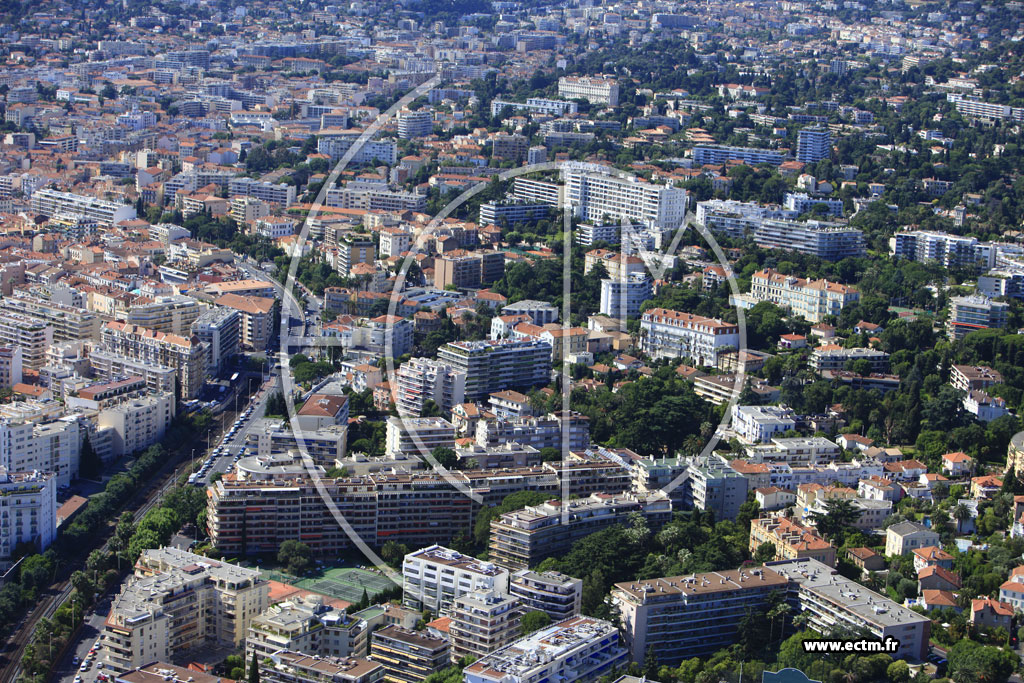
x=433 y=578
x=594 y=90
x=595 y=194
x=52 y=203
x=812 y=299
x=666 y=333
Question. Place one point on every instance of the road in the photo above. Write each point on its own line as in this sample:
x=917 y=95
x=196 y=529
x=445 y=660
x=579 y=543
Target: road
x=291 y=310
x=232 y=445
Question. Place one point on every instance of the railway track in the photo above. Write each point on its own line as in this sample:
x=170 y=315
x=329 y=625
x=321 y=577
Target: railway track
x=58 y=593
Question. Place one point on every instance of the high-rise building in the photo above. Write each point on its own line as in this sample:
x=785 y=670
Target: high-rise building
x=482 y=622
x=423 y=379
x=256 y=318
x=10 y=366
x=596 y=194
x=138 y=423
x=492 y=366
x=176 y=601
x=970 y=313
x=408 y=656
x=410 y=438
x=219 y=329
x=622 y=298
x=680 y=617
x=170 y=314
x=434 y=577
x=28 y=505
x=577 y=650
x=415 y=124
x=53 y=203
x=717 y=155
x=53 y=446
x=69 y=322
x=353 y=249
x=187 y=355
x=557 y=595
x=306 y=625
x=951 y=251
x=269 y=192
x=829 y=241
x=33 y=335
x=523 y=538
x=813 y=144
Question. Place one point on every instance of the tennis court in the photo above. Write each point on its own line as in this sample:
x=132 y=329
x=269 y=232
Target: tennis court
x=344 y=583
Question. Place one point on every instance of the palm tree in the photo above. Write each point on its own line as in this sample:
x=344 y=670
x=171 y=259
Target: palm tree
x=961 y=513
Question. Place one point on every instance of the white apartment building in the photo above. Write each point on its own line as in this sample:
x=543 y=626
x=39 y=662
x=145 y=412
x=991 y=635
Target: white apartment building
x=597 y=195
x=423 y=379
x=497 y=365
x=219 y=329
x=374 y=199
x=761 y=424
x=577 y=650
x=336 y=144
x=138 y=422
x=434 y=577
x=948 y=250
x=44 y=447
x=812 y=299
x=68 y=317
x=170 y=314
x=51 y=203
x=534 y=191
x=623 y=298
x=268 y=192
x=410 y=438
x=813 y=144
x=394 y=241
x=801 y=202
x=716 y=155
x=28 y=511
x=589 y=233
x=673 y=334
x=536 y=105
x=415 y=124
x=594 y=90
x=178 y=600
x=827 y=241
x=735 y=218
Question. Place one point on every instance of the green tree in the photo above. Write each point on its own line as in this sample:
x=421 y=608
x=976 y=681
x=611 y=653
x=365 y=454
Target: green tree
x=533 y=621
x=445 y=457
x=254 y=670
x=839 y=516
x=296 y=556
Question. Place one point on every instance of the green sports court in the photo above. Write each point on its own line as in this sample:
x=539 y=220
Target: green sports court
x=344 y=583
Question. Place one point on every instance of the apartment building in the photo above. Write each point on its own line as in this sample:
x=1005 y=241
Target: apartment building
x=468 y=270
x=717 y=155
x=408 y=656
x=833 y=358
x=828 y=241
x=812 y=299
x=535 y=105
x=790 y=539
x=353 y=249
x=535 y=191
x=394 y=242
x=760 y=424
x=409 y=438
x=681 y=617
x=169 y=314
x=44 y=446
x=51 y=203
x=736 y=219
x=813 y=144
x=951 y=251
x=577 y=650
x=666 y=333
x=415 y=124
x=801 y=202
x=482 y=622
x=557 y=595
x=974 y=108
x=336 y=144
x=28 y=511
x=712 y=484
x=187 y=355
x=111 y=366
x=623 y=298
x=511 y=212
x=32 y=335
x=836 y=602
x=176 y=601
x=522 y=538
x=492 y=366
x=306 y=625
x=220 y=329
x=138 y=423
x=286 y=666
x=264 y=191
x=603 y=91
x=434 y=577
x=256 y=318
x=10 y=366
x=596 y=194
x=540 y=312
x=423 y=379
x=368 y=198
x=971 y=377
x=70 y=323
x=970 y=313
x=537 y=432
